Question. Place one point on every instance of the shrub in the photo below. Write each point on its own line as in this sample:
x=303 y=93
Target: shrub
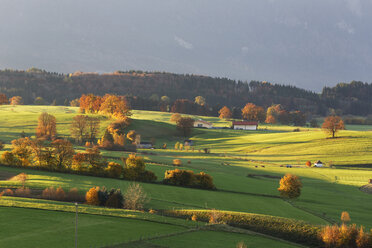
x=152 y=211
x=23 y=192
x=8 y=192
x=74 y=196
x=204 y=181
x=179 y=177
x=214 y=217
x=177 y=162
x=188 y=178
x=49 y=193
x=91 y=196
x=60 y=194
x=134 y=169
x=102 y=196
x=308 y=163
x=135 y=197
x=194 y=217
x=115 y=199
x=114 y=170
x=147 y=176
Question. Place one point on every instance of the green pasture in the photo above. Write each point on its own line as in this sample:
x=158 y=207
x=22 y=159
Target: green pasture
x=22 y=227
x=235 y=154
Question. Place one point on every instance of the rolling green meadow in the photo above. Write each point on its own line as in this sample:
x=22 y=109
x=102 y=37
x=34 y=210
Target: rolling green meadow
x=246 y=167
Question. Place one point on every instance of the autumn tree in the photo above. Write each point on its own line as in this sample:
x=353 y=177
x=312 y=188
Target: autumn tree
x=79 y=128
x=46 y=126
x=39 y=101
x=272 y=113
x=332 y=124
x=298 y=118
x=115 y=106
x=175 y=117
x=185 y=125
x=3 y=99
x=135 y=197
x=118 y=127
x=93 y=126
x=200 y=100
x=90 y=103
x=253 y=112
x=131 y=135
x=225 y=113
x=345 y=217
x=290 y=186
x=63 y=152
x=75 y=103
x=16 y=100
x=91 y=196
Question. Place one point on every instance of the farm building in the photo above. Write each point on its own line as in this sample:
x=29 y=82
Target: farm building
x=318 y=164
x=202 y=124
x=245 y=125
x=145 y=145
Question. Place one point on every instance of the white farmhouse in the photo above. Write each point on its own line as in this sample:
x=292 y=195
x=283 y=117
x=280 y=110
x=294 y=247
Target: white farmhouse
x=245 y=125
x=202 y=124
x=318 y=164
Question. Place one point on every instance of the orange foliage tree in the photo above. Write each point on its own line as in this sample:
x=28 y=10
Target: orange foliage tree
x=16 y=100
x=115 y=106
x=272 y=113
x=332 y=124
x=225 y=113
x=46 y=126
x=91 y=196
x=253 y=112
x=290 y=186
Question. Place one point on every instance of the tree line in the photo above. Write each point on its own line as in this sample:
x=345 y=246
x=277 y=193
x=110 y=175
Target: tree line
x=160 y=91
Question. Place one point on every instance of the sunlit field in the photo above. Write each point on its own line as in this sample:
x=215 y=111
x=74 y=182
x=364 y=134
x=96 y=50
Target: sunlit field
x=239 y=163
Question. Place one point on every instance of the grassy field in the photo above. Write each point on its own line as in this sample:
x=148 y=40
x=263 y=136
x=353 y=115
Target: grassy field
x=235 y=155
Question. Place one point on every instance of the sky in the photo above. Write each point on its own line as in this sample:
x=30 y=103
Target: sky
x=309 y=44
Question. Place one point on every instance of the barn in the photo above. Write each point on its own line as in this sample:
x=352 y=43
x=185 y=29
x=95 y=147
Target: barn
x=245 y=125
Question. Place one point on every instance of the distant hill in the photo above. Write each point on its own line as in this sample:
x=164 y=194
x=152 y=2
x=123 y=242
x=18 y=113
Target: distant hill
x=147 y=87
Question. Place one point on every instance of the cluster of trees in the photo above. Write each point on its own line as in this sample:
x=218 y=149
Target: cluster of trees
x=101 y=197
x=188 y=178
x=15 y=100
x=111 y=105
x=273 y=114
x=134 y=198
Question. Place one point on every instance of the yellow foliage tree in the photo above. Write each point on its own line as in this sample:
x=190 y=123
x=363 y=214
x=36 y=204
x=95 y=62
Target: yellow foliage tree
x=91 y=196
x=290 y=186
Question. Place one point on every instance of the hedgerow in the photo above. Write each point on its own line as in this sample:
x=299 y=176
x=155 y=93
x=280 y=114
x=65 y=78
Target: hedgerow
x=288 y=229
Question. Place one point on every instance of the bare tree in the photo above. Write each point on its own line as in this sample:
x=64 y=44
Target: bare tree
x=79 y=128
x=93 y=125
x=135 y=197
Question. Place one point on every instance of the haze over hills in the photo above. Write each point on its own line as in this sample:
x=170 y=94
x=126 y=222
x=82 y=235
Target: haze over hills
x=304 y=43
